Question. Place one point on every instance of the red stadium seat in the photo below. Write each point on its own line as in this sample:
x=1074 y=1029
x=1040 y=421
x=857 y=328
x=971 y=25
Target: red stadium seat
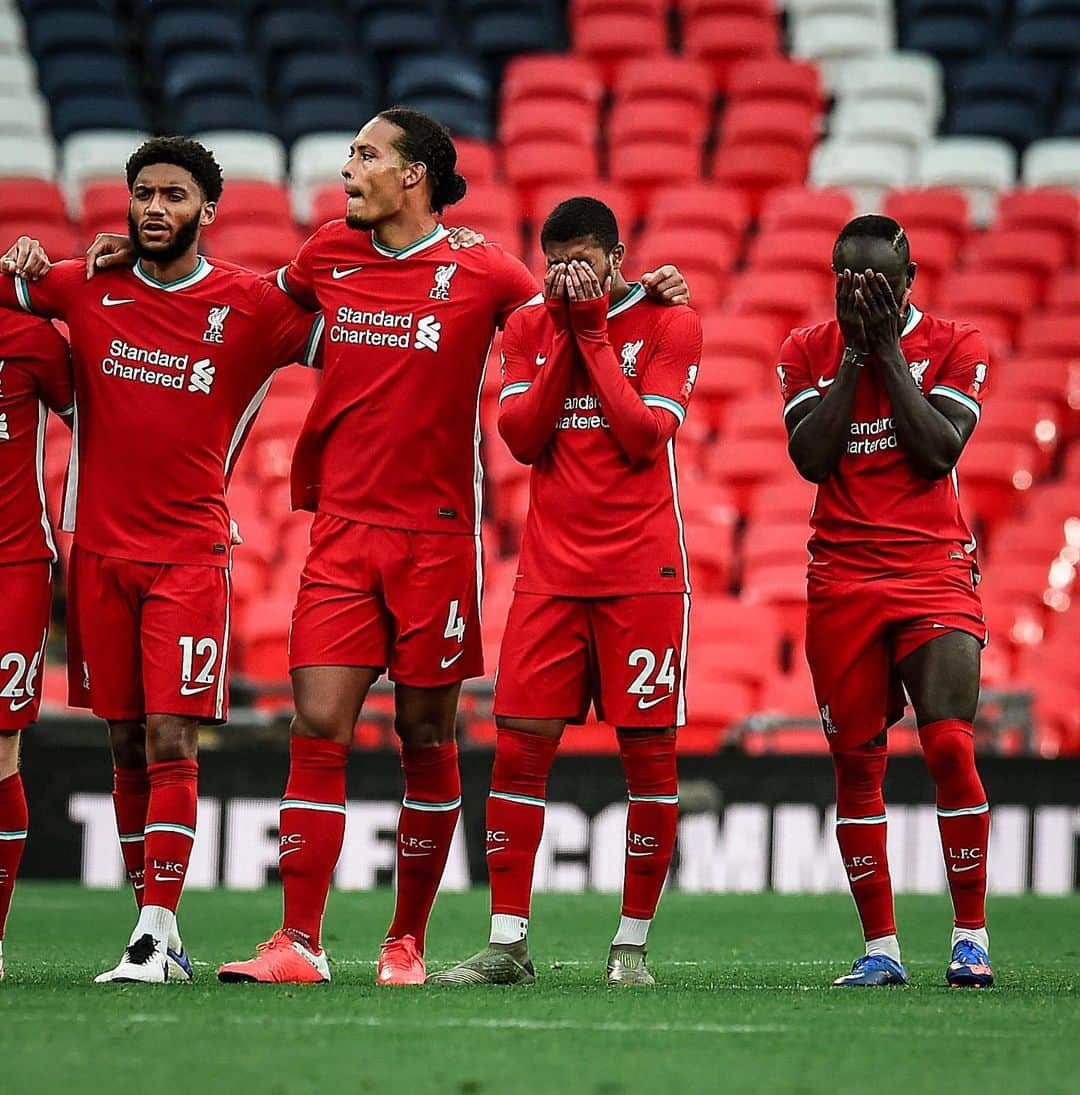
x=1038 y=252
x=796 y=249
x=759 y=122
x=742 y=465
x=56 y=236
x=786 y=498
x=327 y=204
x=767 y=543
x=1059 y=339
x=609 y=38
x=722 y=41
x=792 y=298
x=757 y=416
x=475 y=160
x=803 y=207
x=260 y=250
x=1009 y=296
x=699 y=203
x=942 y=208
x=615 y=197
x=645 y=164
x=776 y=79
x=32 y=200
x=666 y=78
x=656 y=120
x=754 y=337
x=492 y=209
x=547 y=76
x=531 y=165
x=994 y=477
x=934 y=250
x=757 y=169
x=1063 y=293
x=712 y=551
x=585 y=9
x=1056 y=210
x=782 y=584
x=546 y=119
x=103 y=207
x=705 y=257
x=1056 y=380
x=720 y=702
x=250 y=202
x=724 y=379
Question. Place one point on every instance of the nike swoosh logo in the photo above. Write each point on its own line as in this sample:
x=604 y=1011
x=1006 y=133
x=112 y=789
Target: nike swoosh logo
x=860 y=877
x=823 y=383
x=500 y=848
x=645 y=704
x=165 y=878
x=637 y=855
x=540 y=359
x=337 y=274
x=447 y=662
x=961 y=870
x=282 y=855
x=414 y=855
x=110 y=302
x=187 y=690
x=18 y=705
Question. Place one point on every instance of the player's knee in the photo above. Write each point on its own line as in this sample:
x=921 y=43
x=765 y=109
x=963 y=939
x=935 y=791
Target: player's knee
x=860 y=771
x=322 y=721
x=949 y=755
x=128 y=743
x=541 y=728
x=9 y=754
x=170 y=737
x=419 y=732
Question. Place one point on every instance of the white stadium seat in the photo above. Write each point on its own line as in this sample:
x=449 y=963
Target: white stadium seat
x=12 y=33
x=879 y=9
x=23 y=111
x=980 y=166
x=861 y=119
x=898 y=77
x=316 y=160
x=832 y=39
x=1052 y=162
x=27 y=156
x=246 y=155
x=17 y=73
x=866 y=168
x=95 y=154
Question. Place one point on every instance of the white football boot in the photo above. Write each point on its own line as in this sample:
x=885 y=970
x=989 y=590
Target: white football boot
x=144 y=962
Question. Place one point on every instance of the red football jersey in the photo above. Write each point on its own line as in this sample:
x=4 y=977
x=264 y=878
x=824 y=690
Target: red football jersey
x=875 y=514
x=168 y=379
x=35 y=375
x=599 y=523
x=393 y=435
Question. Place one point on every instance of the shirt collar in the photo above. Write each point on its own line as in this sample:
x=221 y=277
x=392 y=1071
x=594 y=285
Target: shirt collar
x=202 y=270
x=636 y=294
x=422 y=244
x=913 y=317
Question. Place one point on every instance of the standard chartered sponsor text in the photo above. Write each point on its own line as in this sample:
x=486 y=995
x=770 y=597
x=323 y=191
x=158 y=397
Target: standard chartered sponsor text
x=166 y=370
x=354 y=326
x=870 y=437
x=576 y=421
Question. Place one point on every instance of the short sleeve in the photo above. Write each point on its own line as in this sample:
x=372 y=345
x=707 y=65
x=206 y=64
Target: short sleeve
x=52 y=371
x=50 y=297
x=518 y=371
x=294 y=333
x=516 y=286
x=794 y=373
x=297 y=279
x=669 y=375
x=963 y=375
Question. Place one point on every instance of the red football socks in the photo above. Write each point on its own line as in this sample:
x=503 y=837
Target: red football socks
x=170 y=830
x=13 y=824
x=652 y=819
x=429 y=815
x=312 y=831
x=963 y=815
x=515 y=817
x=861 y=832
x=131 y=797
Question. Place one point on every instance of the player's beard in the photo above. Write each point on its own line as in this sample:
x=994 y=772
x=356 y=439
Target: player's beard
x=183 y=238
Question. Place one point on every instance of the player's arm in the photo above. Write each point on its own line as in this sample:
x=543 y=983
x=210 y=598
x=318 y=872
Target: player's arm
x=932 y=431
x=293 y=334
x=818 y=427
x=51 y=294
x=298 y=277
x=54 y=377
x=533 y=393
x=640 y=430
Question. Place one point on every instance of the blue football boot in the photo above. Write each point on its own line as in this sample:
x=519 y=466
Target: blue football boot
x=970 y=967
x=871 y=971
x=180 y=968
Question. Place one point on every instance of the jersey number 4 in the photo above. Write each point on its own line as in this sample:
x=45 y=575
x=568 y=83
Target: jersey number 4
x=455 y=623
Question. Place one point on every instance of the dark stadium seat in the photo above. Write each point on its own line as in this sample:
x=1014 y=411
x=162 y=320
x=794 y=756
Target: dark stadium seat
x=723 y=41
x=776 y=79
x=1047 y=28
x=762 y=122
x=756 y=169
x=438 y=74
x=498 y=28
x=807 y=208
x=947 y=35
x=282 y=34
x=175 y=32
x=1003 y=97
x=85 y=111
x=72 y=29
x=205 y=71
x=69 y=73
x=460 y=116
x=324 y=113
x=324 y=72
x=199 y=113
x=942 y=208
x=402 y=29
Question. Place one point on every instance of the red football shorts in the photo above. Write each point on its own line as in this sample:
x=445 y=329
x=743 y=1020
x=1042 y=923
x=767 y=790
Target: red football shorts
x=147 y=638
x=624 y=655
x=858 y=632
x=24 y=627
x=387 y=598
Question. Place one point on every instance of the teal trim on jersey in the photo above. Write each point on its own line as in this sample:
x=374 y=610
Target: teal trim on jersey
x=202 y=268
x=958 y=397
x=521 y=800
x=282 y=281
x=802 y=397
x=516 y=388
x=636 y=294
x=169 y=827
x=318 y=807
x=431 y=807
x=677 y=409
x=984 y=808
x=312 y=347
x=436 y=234
x=913 y=317
x=131 y=838
x=14 y=834
x=22 y=295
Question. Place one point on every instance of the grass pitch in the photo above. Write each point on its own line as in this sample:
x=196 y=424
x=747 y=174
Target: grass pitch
x=742 y=1004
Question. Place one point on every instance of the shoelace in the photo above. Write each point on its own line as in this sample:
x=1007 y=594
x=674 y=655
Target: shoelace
x=971 y=954
x=867 y=960
x=277 y=940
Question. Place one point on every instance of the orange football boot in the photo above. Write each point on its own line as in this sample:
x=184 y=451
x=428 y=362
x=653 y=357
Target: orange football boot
x=400 y=963
x=280 y=960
